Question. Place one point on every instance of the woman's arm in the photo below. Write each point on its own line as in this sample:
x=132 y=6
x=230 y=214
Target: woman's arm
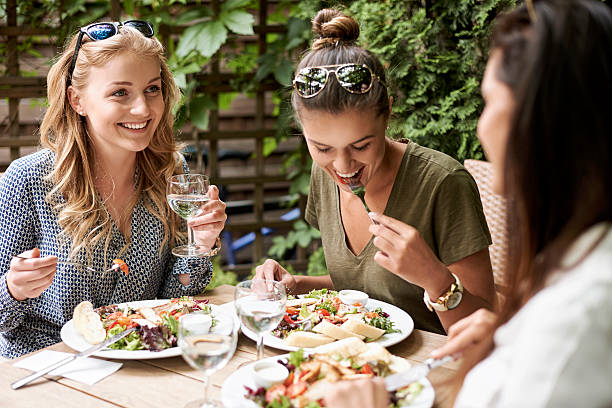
x=406 y=254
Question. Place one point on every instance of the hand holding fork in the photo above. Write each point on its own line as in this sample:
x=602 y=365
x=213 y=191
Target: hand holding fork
x=30 y=275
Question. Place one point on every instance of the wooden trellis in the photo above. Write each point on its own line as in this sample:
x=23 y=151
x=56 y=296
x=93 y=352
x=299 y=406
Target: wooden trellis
x=19 y=138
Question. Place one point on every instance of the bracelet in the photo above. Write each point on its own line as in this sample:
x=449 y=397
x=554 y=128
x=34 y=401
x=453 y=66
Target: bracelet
x=215 y=249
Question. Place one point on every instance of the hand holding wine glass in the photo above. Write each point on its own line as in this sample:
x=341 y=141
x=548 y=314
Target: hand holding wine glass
x=188 y=195
x=207 y=348
x=260 y=304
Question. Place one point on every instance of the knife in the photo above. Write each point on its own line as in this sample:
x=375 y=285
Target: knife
x=395 y=381
x=85 y=353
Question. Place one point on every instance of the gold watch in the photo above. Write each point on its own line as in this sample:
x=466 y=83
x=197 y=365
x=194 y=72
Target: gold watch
x=448 y=300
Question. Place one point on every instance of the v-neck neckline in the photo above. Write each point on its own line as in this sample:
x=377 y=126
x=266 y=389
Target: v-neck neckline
x=390 y=202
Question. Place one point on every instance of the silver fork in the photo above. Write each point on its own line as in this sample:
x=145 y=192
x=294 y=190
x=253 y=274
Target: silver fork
x=113 y=268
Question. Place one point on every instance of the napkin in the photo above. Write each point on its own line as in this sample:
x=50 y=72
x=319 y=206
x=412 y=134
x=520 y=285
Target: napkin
x=84 y=370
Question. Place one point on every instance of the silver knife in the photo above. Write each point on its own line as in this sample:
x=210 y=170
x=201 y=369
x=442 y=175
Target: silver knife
x=85 y=353
x=395 y=381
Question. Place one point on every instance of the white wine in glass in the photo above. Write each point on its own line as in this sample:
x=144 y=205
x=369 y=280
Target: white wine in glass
x=260 y=304
x=207 y=349
x=186 y=195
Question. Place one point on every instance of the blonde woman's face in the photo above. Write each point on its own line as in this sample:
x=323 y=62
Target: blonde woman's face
x=349 y=146
x=494 y=123
x=122 y=103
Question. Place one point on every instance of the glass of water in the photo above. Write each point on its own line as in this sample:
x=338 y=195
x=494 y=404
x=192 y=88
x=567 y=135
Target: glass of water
x=260 y=304
x=207 y=348
x=186 y=194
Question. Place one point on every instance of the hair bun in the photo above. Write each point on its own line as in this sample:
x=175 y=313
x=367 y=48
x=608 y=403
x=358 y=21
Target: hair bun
x=331 y=26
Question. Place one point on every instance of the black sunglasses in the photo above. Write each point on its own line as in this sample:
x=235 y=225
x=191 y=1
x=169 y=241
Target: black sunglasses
x=102 y=31
x=353 y=78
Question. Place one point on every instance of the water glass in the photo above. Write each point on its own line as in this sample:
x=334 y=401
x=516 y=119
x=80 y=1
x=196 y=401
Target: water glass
x=260 y=305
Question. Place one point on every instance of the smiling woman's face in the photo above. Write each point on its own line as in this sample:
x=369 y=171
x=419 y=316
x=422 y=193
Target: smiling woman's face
x=122 y=102
x=349 y=146
x=495 y=119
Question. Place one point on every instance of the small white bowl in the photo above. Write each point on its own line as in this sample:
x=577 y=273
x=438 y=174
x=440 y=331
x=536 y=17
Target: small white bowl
x=268 y=373
x=350 y=297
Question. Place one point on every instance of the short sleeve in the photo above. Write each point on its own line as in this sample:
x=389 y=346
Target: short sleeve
x=460 y=226
x=313 y=193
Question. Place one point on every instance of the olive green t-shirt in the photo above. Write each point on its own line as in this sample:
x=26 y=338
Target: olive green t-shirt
x=433 y=193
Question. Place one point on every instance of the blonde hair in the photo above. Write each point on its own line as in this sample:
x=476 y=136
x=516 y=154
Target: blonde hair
x=81 y=214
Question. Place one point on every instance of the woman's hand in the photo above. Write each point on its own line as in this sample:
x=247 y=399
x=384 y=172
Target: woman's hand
x=467 y=332
x=406 y=254
x=208 y=225
x=272 y=270
x=28 y=278
x=358 y=394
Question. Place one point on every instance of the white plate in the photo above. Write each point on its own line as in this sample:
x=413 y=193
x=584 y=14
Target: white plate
x=401 y=320
x=77 y=342
x=233 y=392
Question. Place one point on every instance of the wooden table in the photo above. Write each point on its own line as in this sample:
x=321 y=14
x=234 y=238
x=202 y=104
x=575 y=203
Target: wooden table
x=170 y=382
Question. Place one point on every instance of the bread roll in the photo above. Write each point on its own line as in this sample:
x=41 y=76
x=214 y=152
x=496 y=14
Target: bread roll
x=306 y=339
x=359 y=327
x=331 y=330
x=88 y=323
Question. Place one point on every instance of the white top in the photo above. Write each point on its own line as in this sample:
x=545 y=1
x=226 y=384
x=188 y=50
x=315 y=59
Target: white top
x=557 y=350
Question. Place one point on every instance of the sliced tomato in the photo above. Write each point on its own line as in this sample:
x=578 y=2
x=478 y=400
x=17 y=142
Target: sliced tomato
x=116 y=322
x=366 y=369
x=296 y=389
x=323 y=312
x=275 y=392
x=371 y=315
x=289 y=379
x=288 y=319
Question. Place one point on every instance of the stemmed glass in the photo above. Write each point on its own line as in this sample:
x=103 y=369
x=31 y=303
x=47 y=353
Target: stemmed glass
x=207 y=349
x=260 y=304
x=186 y=194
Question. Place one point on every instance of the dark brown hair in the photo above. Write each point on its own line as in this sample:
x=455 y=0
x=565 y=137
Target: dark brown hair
x=558 y=170
x=336 y=44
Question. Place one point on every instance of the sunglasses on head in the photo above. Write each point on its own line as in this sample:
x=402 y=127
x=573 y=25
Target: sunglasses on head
x=353 y=78
x=102 y=31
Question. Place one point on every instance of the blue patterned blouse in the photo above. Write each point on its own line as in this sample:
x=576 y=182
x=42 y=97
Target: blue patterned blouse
x=28 y=221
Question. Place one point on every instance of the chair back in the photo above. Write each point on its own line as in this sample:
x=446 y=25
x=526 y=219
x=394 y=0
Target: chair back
x=494 y=206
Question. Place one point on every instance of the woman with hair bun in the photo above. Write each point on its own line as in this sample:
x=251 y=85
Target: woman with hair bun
x=398 y=221
x=97 y=191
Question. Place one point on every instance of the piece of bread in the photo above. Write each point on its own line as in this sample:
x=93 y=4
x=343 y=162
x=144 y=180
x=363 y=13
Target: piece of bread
x=331 y=330
x=374 y=352
x=359 y=327
x=306 y=339
x=348 y=347
x=88 y=324
x=299 y=302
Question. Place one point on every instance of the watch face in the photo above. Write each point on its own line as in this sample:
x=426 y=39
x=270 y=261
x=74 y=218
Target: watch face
x=454 y=300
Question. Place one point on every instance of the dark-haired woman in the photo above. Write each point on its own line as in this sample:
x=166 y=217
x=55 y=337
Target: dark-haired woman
x=430 y=239
x=547 y=130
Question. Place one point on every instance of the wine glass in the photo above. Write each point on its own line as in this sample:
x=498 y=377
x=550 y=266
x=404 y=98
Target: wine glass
x=207 y=349
x=186 y=194
x=260 y=304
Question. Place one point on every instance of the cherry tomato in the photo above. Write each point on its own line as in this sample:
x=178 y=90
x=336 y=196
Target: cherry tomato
x=366 y=369
x=275 y=392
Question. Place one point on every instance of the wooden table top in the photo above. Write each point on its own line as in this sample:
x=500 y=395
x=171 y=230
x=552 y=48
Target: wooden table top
x=171 y=381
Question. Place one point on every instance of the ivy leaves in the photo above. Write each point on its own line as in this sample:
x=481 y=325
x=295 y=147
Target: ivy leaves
x=207 y=37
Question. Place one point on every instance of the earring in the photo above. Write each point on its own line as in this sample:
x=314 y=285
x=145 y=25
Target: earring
x=81 y=113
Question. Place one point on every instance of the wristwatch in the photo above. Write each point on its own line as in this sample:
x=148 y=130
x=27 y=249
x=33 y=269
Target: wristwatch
x=447 y=301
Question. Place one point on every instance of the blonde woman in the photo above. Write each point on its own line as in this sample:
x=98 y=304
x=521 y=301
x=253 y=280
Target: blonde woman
x=96 y=191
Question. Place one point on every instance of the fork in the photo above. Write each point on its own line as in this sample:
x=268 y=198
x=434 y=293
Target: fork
x=359 y=190
x=117 y=266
